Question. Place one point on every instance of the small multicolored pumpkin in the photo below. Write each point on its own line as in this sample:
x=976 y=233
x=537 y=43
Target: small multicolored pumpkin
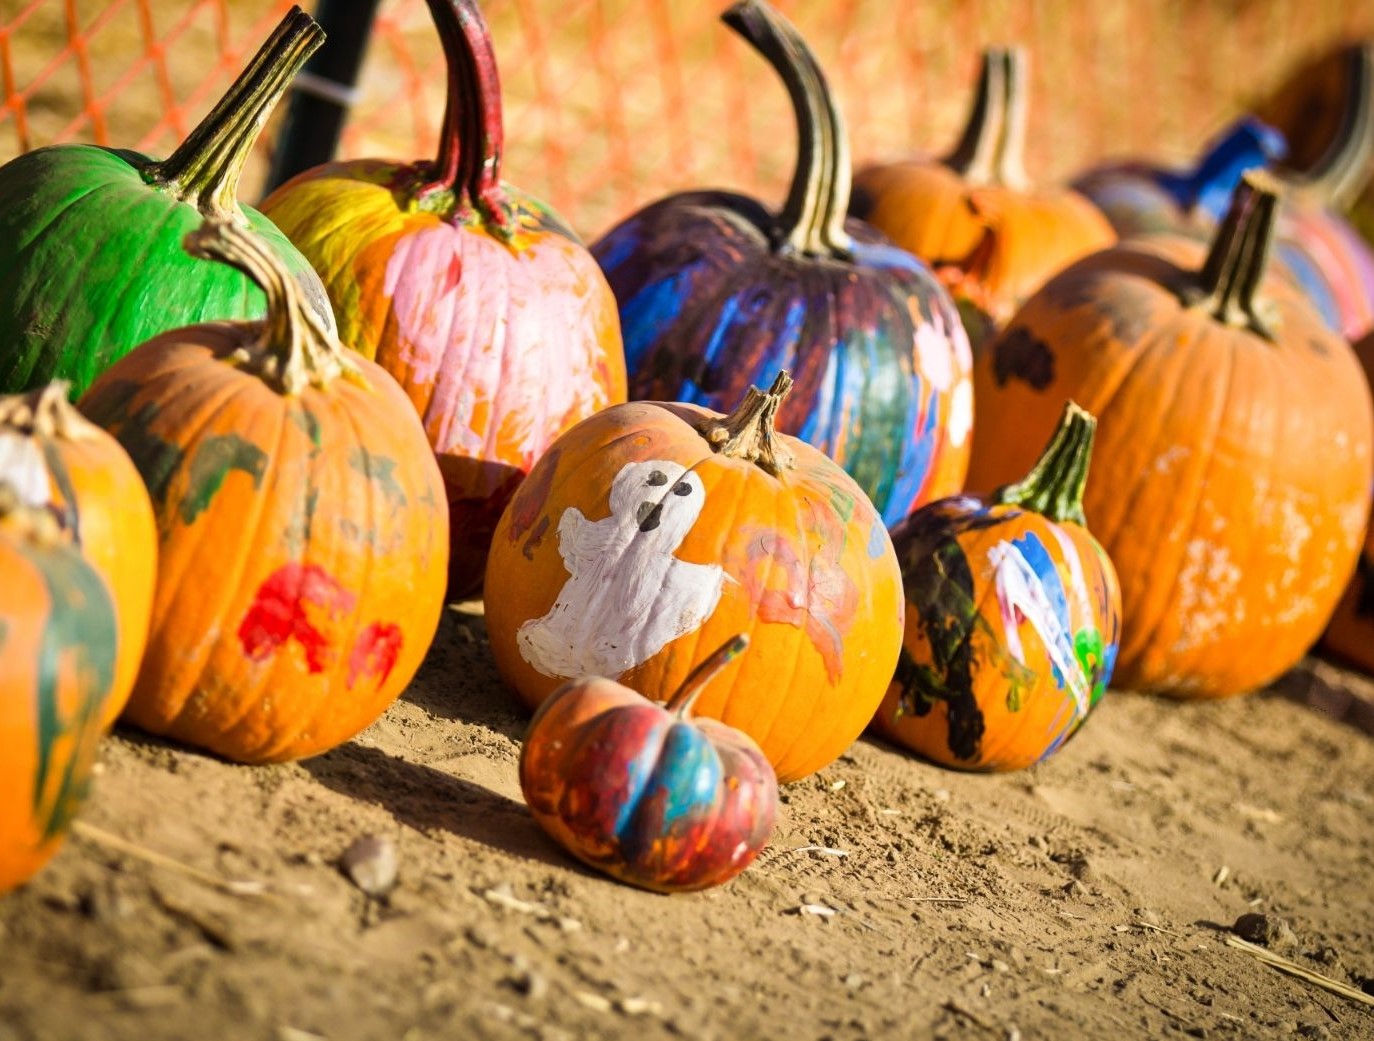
x=974 y=215
x=475 y=296
x=643 y=791
x=56 y=459
x=58 y=645
x=1233 y=453
x=716 y=293
x=1013 y=617
x=91 y=263
x=303 y=533
x=655 y=529
x=1350 y=633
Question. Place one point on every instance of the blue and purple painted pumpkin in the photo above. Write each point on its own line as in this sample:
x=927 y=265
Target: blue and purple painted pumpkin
x=1013 y=617
x=716 y=294
x=642 y=790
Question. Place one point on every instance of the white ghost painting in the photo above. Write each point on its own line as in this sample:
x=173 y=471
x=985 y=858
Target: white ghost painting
x=627 y=595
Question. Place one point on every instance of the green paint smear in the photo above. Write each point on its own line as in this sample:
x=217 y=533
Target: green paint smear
x=81 y=634
x=305 y=419
x=381 y=471
x=1090 y=651
x=155 y=458
x=214 y=459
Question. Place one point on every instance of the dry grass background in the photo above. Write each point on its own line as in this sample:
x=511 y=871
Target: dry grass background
x=610 y=103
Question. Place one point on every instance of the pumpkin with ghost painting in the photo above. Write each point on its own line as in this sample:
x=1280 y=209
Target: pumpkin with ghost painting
x=1013 y=617
x=655 y=531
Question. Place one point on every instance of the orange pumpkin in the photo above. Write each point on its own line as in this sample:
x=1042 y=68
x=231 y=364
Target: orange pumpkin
x=1350 y=635
x=974 y=215
x=1013 y=617
x=58 y=644
x=57 y=458
x=301 y=517
x=653 y=532
x=1234 y=449
x=474 y=295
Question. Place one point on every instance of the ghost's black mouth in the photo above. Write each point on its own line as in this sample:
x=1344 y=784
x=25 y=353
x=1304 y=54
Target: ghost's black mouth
x=648 y=515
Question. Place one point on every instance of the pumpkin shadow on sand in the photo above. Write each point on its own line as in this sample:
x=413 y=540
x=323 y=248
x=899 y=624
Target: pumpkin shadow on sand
x=430 y=800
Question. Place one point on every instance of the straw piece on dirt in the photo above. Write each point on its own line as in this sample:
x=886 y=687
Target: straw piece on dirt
x=939 y=899
x=100 y=837
x=1155 y=928
x=829 y=851
x=1292 y=968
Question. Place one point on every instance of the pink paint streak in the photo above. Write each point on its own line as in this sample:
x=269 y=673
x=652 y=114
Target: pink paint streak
x=375 y=652
x=279 y=613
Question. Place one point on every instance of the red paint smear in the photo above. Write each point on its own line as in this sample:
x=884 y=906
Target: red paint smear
x=532 y=495
x=279 y=613
x=375 y=652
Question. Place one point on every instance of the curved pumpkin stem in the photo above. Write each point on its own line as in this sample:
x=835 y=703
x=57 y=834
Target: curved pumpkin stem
x=1229 y=281
x=812 y=218
x=46 y=412
x=686 y=695
x=991 y=151
x=749 y=432
x=205 y=169
x=1342 y=171
x=295 y=349
x=471 y=141
x=1054 y=487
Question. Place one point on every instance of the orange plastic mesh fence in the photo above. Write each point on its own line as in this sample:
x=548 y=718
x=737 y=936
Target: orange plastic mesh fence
x=610 y=103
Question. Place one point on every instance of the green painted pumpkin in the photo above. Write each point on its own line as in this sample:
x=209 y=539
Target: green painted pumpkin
x=91 y=263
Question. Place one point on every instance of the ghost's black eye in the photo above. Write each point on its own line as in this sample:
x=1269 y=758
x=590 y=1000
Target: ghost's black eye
x=682 y=488
x=657 y=477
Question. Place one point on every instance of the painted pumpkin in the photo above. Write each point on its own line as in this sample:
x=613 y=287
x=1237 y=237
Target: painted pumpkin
x=58 y=642
x=1140 y=198
x=643 y=791
x=56 y=459
x=717 y=293
x=475 y=296
x=655 y=529
x=300 y=511
x=1233 y=453
x=91 y=263
x=1350 y=635
x=1012 y=621
x=974 y=215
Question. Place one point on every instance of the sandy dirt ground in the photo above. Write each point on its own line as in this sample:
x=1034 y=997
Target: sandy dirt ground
x=1089 y=897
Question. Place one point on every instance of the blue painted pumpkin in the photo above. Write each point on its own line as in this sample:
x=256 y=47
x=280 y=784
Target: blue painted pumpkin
x=716 y=294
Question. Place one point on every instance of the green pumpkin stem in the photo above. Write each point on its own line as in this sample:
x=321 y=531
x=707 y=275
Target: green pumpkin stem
x=1342 y=171
x=468 y=168
x=30 y=522
x=749 y=432
x=686 y=695
x=1229 y=281
x=205 y=169
x=45 y=412
x=294 y=350
x=812 y=218
x=1054 y=487
x=992 y=149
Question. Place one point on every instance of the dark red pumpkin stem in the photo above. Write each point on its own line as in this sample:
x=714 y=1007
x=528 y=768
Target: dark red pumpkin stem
x=295 y=350
x=686 y=695
x=205 y=169
x=750 y=431
x=992 y=149
x=468 y=168
x=1341 y=172
x=45 y=412
x=1054 y=487
x=1228 y=284
x=812 y=218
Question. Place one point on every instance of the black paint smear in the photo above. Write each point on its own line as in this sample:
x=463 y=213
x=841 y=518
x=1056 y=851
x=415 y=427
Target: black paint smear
x=649 y=514
x=942 y=585
x=1019 y=354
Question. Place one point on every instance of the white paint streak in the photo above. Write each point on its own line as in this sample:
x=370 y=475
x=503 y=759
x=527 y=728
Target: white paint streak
x=22 y=466
x=961 y=412
x=627 y=596
x=1019 y=589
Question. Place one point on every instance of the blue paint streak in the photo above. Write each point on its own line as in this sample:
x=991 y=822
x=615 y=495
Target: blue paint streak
x=1043 y=565
x=650 y=313
x=684 y=787
x=877 y=538
x=1244 y=145
x=914 y=468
